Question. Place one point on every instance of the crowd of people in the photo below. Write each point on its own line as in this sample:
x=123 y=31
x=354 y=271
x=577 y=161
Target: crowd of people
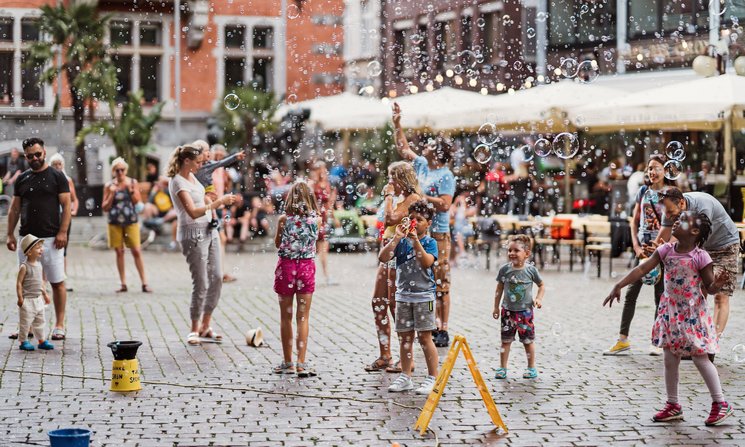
x=688 y=236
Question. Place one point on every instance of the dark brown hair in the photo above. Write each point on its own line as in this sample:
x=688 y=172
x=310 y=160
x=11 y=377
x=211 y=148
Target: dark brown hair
x=423 y=208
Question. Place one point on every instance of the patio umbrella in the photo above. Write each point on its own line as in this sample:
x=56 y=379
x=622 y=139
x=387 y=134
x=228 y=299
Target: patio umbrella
x=345 y=111
x=440 y=109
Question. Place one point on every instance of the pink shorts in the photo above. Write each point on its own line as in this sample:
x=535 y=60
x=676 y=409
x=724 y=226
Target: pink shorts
x=295 y=276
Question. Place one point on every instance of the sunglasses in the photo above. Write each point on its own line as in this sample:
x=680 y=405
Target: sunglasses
x=38 y=155
x=119 y=170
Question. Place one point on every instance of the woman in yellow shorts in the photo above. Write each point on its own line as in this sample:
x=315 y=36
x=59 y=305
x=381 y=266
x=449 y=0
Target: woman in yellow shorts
x=121 y=199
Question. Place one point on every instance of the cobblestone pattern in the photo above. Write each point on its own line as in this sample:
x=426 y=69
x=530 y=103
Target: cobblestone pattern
x=580 y=398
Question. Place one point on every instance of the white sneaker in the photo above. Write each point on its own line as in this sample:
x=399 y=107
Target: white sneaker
x=426 y=386
x=402 y=383
x=654 y=350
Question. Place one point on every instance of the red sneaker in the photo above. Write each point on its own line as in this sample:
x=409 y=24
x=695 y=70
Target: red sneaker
x=671 y=412
x=719 y=412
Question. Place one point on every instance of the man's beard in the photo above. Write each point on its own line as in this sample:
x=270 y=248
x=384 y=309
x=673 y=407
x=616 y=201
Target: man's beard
x=36 y=163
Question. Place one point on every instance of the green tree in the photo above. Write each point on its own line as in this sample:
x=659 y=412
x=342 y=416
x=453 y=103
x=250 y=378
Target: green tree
x=130 y=131
x=380 y=147
x=78 y=32
x=244 y=112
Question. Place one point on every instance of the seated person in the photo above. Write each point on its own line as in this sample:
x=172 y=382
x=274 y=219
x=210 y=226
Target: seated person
x=253 y=216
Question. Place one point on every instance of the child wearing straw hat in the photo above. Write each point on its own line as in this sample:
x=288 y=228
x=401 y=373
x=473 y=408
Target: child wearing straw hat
x=32 y=297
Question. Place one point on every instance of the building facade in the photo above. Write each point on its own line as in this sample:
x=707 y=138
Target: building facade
x=362 y=46
x=290 y=47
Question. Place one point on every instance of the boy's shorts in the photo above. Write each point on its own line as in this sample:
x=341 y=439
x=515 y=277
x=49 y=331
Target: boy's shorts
x=520 y=321
x=418 y=317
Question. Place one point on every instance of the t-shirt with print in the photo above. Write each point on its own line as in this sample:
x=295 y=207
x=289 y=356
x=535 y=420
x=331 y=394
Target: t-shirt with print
x=40 y=205
x=435 y=183
x=651 y=213
x=518 y=286
x=723 y=230
x=414 y=284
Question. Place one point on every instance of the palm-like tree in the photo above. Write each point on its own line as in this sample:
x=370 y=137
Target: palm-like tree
x=130 y=131
x=77 y=31
x=244 y=113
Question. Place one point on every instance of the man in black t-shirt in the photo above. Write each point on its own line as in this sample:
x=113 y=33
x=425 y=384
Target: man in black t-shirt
x=42 y=201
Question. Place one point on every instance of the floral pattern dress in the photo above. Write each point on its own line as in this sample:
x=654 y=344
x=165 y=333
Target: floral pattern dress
x=684 y=324
x=299 y=237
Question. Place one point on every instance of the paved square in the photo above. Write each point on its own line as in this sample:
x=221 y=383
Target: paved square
x=226 y=395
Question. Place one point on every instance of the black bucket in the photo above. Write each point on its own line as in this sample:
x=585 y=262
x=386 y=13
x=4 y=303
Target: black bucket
x=124 y=350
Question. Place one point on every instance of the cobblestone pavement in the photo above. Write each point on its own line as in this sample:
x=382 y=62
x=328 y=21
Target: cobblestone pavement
x=226 y=395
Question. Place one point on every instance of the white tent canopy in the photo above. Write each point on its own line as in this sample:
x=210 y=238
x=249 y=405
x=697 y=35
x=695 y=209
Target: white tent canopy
x=701 y=104
x=441 y=109
x=345 y=111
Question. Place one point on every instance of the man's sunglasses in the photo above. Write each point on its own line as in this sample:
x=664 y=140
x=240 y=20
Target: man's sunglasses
x=38 y=155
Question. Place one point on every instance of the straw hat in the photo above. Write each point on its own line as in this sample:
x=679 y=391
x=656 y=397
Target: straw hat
x=28 y=242
x=255 y=337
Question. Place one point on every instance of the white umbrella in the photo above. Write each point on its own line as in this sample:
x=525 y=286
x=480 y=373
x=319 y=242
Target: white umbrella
x=439 y=109
x=345 y=111
x=701 y=104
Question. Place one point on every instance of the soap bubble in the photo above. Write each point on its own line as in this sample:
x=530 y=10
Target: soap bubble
x=673 y=169
x=482 y=154
x=738 y=352
x=588 y=71
x=416 y=39
x=566 y=145
x=329 y=155
x=349 y=189
x=556 y=329
x=481 y=22
x=675 y=151
x=90 y=203
x=374 y=68
x=527 y=152
x=361 y=189
x=569 y=67
x=541 y=17
x=231 y=101
x=487 y=134
x=293 y=12
x=542 y=147
x=530 y=33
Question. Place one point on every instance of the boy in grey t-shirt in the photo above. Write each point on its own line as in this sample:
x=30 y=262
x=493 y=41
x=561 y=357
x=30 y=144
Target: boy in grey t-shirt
x=515 y=281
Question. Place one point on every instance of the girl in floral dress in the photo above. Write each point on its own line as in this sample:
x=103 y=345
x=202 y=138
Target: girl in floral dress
x=295 y=275
x=684 y=326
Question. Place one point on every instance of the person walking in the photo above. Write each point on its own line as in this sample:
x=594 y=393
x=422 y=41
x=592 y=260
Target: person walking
x=57 y=161
x=41 y=200
x=200 y=243
x=325 y=194
x=121 y=200
x=438 y=186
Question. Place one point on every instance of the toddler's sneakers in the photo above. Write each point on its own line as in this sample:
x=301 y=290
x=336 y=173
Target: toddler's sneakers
x=46 y=345
x=402 y=383
x=671 y=412
x=26 y=346
x=619 y=347
x=719 y=412
x=426 y=386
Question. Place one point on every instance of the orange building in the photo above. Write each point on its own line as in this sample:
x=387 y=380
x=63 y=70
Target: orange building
x=223 y=43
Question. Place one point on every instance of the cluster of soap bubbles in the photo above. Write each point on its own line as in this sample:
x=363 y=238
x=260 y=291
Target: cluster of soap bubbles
x=564 y=145
x=676 y=154
x=584 y=72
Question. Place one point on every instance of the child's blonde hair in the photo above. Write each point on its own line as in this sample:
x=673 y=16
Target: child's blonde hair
x=403 y=174
x=523 y=239
x=300 y=200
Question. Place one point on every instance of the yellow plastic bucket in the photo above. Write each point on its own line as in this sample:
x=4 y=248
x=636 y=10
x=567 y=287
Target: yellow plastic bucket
x=125 y=375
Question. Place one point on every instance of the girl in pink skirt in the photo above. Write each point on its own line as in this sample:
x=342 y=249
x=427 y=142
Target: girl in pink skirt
x=684 y=326
x=295 y=275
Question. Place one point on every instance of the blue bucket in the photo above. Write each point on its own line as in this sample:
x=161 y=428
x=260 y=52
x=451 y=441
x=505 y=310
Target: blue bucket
x=70 y=437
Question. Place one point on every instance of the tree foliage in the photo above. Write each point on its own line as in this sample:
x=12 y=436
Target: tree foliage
x=244 y=115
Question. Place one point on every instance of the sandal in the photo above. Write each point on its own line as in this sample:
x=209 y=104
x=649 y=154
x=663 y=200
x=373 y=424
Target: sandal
x=58 y=334
x=530 y=373
x=14 y=335
x=122 y=289
x=210 y=336
x=396 y=368
x=193 y=338
x=378 y=365
x=146 y=289
x=501 y=373
x=284 y=368
x=303 y=371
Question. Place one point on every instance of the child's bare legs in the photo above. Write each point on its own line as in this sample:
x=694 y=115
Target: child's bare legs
x=406 y=340
x=285 y=326
x=244 y=220
x=302 y=317
x=430 y=352
x=530 y=352
x=322 y=247
x=504 y=354
x=380 y=306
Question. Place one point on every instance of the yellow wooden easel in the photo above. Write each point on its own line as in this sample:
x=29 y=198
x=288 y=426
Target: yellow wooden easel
x=459 y=343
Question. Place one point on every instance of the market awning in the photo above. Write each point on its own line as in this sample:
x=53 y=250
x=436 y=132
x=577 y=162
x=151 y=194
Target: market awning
x=441 y=109
x=345 y=111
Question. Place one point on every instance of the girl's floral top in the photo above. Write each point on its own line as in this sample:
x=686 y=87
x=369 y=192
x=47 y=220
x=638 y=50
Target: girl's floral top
x=684 y=324
x=299 y=237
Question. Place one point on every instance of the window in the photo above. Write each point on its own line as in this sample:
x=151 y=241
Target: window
x=650 y=18
x=261 y=74
x=491 y=36
x=137 y=55
x=529 y=43
x=234 y=68
x=6 y=78
x=31 y=90
x=262 y=37
x=399 y=49
x=235 y=36
x=582 y=23
x=421 y=49
x=466 y=32
x=19 y=85
x=446 y=44
x=30 y=30
x=6 y=29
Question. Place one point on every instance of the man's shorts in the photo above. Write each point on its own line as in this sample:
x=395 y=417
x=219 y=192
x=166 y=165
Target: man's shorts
x=120 y=236
x=295 y=276
x=520 y=322
x=52 y=261
x=725 y=259
x=442 y=266
x=418 y=317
